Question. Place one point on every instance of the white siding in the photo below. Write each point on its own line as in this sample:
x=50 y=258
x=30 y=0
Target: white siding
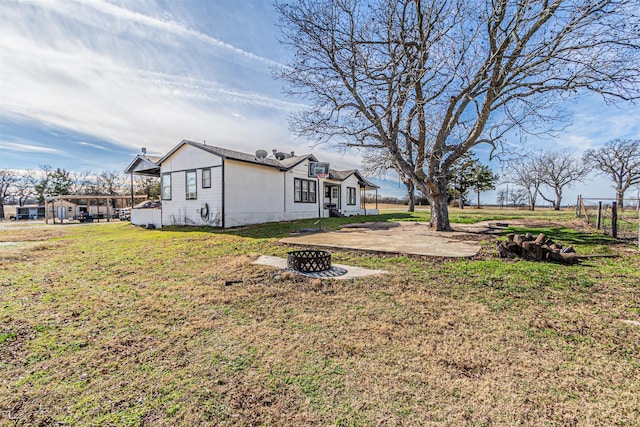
x=299 y=210
x=147 y=217
x=179 y=210
x=258 y=194
x=253 y=193
x=346 y=209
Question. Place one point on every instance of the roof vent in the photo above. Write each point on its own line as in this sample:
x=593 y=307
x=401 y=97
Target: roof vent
x=293 y=153
x=144 y=150
x=280 y=155
x=261 y=154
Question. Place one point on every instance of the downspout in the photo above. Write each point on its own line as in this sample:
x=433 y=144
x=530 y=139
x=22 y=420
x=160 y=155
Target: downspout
x=223 y=193
x=132 y=188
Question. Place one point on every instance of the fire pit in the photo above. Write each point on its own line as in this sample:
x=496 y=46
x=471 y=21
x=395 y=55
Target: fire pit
x=309 y=261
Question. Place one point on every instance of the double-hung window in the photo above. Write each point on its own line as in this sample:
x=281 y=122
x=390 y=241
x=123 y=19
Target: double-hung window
x=304 y=191
x=191 y=184
x=206 y=178
x=166 y=186
x=351 y=196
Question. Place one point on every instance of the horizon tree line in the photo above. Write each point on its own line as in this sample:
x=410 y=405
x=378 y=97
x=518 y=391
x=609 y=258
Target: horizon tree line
x=21 y=187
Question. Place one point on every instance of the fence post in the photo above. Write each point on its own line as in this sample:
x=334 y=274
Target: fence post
x=614 y=220
x=599 y=219
x=578 y=206
x=583 y=209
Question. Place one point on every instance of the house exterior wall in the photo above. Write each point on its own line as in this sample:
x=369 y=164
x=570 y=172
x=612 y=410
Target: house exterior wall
x=147 y=217
x=346 y=208
x=62 y=209
x=258 y=194
x=242 y=193
x=206 y=208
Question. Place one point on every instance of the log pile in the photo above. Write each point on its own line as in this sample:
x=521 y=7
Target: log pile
x=539 y=248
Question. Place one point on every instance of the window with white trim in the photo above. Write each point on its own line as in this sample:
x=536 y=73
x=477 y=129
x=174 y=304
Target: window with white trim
x=304 y=191
x=166 y=186
x=351 y=196
x=206 y=178
x=191 y=185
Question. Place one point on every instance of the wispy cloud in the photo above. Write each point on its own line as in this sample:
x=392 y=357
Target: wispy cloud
x=99 y=69
x=96 y=146
x=29 y=147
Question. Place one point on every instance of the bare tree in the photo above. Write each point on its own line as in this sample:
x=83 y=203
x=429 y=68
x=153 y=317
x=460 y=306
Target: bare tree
x=427 y=80
x=523 y=172
x=150 y=186
x=557 y=170
x=7 y=179
x=620 y=160
x=379 y=162
x=82 y=182
x=25 y=187
x=111 y=183
x=502 y=198
x=517 y=197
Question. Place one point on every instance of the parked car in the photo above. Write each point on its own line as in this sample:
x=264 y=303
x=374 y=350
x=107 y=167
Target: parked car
x=125 y=214
x=149 y=204
x=85 y=216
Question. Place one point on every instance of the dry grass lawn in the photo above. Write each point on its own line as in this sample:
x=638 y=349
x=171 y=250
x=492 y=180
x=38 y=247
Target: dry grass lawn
x=108 y=324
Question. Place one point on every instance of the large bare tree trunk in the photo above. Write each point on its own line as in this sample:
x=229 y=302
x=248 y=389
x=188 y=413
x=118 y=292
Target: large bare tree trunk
x=437 y=194
x=411 y=190
x=620 y=198
x=439 y=213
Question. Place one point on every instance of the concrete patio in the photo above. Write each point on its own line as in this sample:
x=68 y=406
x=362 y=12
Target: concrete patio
x=394 y=237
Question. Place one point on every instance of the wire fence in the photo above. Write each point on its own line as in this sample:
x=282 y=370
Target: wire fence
x=606 y=215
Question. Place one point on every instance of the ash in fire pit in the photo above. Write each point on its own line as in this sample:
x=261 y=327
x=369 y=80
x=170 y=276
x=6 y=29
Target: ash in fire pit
x=309 y=261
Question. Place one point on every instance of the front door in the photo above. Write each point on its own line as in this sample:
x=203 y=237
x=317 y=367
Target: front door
x=332 y=196
x=335 y=196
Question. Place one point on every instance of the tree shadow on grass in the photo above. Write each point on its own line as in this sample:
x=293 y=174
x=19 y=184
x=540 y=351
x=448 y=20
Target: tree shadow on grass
x=283 y=229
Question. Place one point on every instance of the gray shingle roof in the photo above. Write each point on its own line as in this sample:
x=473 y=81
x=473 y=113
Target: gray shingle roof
x=342 y=175
x=226 y=153
x=284 y=164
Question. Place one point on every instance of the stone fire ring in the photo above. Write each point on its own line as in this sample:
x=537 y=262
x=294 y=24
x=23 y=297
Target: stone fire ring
x=309 y=261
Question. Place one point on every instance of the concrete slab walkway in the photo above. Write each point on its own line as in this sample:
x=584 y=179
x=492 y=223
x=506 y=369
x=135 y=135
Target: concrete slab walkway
x=401 y=238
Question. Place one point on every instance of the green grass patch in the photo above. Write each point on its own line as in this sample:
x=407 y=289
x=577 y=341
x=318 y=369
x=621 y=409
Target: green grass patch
x=118 y=325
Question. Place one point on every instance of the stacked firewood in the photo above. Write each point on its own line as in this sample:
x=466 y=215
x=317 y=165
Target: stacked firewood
x=539 y=248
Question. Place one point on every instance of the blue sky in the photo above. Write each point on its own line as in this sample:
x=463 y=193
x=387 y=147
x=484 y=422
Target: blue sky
x=85 y=84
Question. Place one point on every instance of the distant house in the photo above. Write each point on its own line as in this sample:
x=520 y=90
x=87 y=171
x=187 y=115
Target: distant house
x=30 y=212
x=208 y=185
x=62 y=209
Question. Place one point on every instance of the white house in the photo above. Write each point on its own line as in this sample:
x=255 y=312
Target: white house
x=206 y=185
